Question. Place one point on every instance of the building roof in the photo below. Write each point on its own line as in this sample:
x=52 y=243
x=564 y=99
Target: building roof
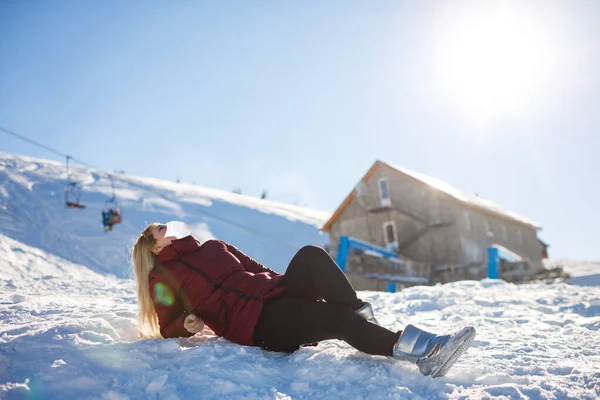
x=471 y=200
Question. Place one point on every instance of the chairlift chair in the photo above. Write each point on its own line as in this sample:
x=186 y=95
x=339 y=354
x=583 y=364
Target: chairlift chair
x=72 y=190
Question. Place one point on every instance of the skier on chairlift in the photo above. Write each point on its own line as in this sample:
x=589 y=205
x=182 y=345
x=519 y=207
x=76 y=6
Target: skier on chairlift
x=110 y=218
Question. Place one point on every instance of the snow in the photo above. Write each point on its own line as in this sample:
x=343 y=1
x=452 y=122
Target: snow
x=506 y=253
x=32 y=210
x=467 y=198
x=70 y=333
x=68 y=326
x=584 y=273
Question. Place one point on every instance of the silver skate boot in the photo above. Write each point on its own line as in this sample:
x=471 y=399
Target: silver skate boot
x=366 y=311
x=433 y=354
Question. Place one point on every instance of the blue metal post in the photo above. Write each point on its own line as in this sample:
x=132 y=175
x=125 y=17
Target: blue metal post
x=342 y=254
x=391 y=287
x=493 y=263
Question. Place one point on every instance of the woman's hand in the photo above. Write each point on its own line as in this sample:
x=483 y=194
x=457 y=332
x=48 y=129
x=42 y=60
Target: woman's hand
x=193 y=323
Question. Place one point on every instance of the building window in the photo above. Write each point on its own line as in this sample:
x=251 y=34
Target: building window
x=384 y=192
x=467 y=219
x=390 y=234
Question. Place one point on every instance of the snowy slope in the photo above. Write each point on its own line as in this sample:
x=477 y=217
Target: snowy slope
x=32 y=211
x=584 y=273
x=68 y=333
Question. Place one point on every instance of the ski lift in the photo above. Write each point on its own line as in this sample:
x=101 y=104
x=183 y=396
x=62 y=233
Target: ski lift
x=72 y=191
x=111 y=215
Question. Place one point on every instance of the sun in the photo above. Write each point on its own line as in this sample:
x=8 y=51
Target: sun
x=492 y=63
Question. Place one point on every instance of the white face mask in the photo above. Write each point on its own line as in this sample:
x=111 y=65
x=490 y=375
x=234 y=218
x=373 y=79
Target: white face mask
x=178 y=229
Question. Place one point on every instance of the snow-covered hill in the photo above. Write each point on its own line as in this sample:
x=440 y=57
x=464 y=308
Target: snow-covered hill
x=33 y=211
x=583 y=273
x=69 y=333
x=68 y=327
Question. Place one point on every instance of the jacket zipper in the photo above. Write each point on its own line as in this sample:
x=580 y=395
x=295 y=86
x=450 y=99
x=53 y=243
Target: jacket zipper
x=216 y=287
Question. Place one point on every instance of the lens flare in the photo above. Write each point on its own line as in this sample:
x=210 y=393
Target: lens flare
x=163 y=294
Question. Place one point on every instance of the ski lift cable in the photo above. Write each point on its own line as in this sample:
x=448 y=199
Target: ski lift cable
x=50 y=149
x=214 y=216
x=32 y=142
x=140 y=186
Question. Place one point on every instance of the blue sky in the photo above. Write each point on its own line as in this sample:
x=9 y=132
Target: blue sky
x=300 y=98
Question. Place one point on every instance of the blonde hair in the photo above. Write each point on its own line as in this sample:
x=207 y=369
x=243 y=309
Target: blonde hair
x=143 y=261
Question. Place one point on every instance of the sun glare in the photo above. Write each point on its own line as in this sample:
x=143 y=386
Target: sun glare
x=492 y=63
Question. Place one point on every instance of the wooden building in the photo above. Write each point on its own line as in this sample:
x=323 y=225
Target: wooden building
x=442 y=232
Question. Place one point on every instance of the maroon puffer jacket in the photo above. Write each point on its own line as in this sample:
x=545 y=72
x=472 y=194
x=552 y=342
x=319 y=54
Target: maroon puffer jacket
x=215 y=281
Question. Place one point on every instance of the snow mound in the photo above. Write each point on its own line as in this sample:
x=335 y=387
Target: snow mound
x=73 y=335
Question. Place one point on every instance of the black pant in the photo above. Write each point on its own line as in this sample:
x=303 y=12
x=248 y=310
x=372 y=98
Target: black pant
x=319 y=305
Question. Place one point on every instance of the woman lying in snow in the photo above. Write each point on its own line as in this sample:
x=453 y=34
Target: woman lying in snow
x=183 y=285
